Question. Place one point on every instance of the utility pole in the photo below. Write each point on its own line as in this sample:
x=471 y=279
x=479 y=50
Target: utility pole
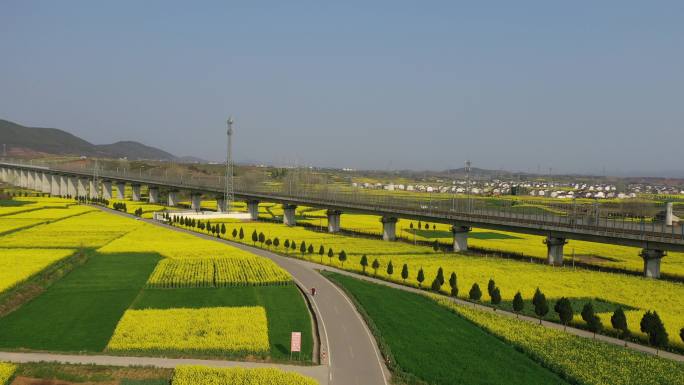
x=228 y=194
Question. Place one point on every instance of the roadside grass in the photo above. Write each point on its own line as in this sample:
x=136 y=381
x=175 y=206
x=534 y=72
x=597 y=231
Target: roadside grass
x=427 y=344
x=285 y=310
x=95 y=373
x=79 y=312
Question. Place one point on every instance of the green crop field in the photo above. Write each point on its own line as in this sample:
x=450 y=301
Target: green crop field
x=80 y=311
x=286 y=312
x=422 y=338
x=429 y=343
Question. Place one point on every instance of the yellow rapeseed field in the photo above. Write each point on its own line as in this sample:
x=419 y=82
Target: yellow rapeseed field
x=90 y=230
x=586 y=361
x=6 y=372
x=216 y=272
x=9 y=224
x=202 y=375
x=219 y=330
x=17 y=265
x=220 y=265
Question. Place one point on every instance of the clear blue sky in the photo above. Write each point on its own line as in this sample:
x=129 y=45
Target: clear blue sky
x=578 y=86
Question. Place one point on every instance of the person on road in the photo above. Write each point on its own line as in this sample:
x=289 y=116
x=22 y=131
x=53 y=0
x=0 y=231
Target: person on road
x=313 y=291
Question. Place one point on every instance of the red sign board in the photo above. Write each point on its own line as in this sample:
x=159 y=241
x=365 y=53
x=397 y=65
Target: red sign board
x=296 y=342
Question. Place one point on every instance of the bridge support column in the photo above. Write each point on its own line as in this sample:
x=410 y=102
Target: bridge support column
x=253 y=209
x=334 y=220
x=107 y=189
x=45 y=183
x=389 y=228
x=554 y=245
x=22 y=179
x=289 y=214
x=36 y=181
x=81 y=189
x=136 y=192
x=172 y=198
x=652 y=259
x=669 y=216
x=92 y=188
x=71 y=186
x=54 y=185
x=196 y=201
x=30 y=180
x=152 y=194
x=63 y=188
x=120 y=190
x=460 y=234
x=2 y=174
x=221 y=204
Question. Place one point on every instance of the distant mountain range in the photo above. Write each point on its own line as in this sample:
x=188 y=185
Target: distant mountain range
x=35 y=141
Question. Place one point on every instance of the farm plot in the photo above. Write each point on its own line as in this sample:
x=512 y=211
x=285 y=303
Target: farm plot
x=426 y=343
x=216 y=272
x=585 y=361
x=90 y=230
x=80 y=311
x=202 y=375
x=285 y=310
x=212 y=331
x=6 y=372
x=11 y=224
x=18 y=265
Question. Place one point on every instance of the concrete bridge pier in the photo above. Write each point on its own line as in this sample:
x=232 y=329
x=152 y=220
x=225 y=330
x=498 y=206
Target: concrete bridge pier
x=120 y=190
x=389 y=228
x=196 y=201
x=289 y=214
x=152 y=194
x=92 y=189
x=30 y=181
x=460 y=234
x=36 y=181
x=334 y=220
x=54 y=185
x=253 y=209
x=107 y=189
x=63 y=188
x=669 y=216
x=71 y=186
x=81 y=189
x=136 y=192
x=46 y=183
x=652 y=259
x=221 y=206
x=554 y=246
x=172 y=198
x=23 y=179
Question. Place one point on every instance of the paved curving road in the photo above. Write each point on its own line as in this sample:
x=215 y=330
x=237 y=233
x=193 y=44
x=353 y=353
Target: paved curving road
x=347 y=345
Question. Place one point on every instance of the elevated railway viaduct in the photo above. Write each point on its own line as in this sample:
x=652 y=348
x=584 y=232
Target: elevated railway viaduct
x=655 y=239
